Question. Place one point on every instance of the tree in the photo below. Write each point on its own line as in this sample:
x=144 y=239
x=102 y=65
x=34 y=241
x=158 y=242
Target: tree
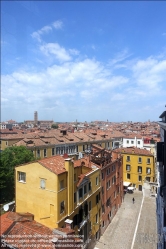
x=54 y=126
x=9 y=158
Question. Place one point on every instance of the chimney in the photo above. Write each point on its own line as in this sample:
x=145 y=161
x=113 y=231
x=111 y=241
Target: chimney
x=68 y=223
x=69 y=166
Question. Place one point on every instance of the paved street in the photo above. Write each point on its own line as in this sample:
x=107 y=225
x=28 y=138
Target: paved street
x=134 y=225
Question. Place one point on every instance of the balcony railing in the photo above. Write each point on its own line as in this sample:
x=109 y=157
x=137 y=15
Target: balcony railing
x=84 y=221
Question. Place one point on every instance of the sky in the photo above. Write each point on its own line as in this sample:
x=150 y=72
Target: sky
x=83 y=60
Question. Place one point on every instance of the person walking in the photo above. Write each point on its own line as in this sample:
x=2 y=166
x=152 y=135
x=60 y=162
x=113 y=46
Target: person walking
x=133 y=200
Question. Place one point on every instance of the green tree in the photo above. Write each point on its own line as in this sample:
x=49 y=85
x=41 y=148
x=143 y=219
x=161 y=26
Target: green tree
x=9 y=158
x=54 y=126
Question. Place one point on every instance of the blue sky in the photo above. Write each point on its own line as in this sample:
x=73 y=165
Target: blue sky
x=83 y=60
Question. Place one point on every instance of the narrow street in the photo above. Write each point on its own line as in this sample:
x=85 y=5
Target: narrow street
x=134 y=225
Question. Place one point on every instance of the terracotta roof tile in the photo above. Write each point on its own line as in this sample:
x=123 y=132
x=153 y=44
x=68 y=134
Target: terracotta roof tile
x=55 y=164
x=25 y=233
x=5 y=223
x=134 y=150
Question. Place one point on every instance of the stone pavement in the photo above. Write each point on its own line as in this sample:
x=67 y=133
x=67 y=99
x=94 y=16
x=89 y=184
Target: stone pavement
x=146 y=236
x=134 y=224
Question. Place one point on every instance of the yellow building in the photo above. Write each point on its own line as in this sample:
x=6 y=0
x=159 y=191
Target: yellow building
x=59 y=191
x=138 y=167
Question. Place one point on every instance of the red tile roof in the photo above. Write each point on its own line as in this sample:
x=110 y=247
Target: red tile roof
x=134 y=150
x=5 y=223
x=55 y=164
x=19 y=231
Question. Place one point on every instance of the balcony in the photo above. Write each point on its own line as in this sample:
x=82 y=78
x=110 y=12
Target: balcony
x=83 y=222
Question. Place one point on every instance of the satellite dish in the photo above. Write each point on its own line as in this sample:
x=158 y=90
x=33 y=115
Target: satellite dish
x=6 y=207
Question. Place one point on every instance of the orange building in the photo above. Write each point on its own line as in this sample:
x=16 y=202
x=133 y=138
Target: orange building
x=111 y=183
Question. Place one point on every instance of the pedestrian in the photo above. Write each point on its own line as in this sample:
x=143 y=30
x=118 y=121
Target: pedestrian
x=133 y=200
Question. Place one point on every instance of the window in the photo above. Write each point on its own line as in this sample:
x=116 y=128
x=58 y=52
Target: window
x=102 y=176
x=148 y=160
x=90 y=205
x=128 y=176
x=53 y=151
x=61 y=184
x=139 y=160
x=96 y=218
x=103 y=224
x=108 y=201
x=42 y=183
x=89 y=185
x=97 y=199
x=139 y=169
x=62 y=207
x=128 y=158
x=138 y=142
x=127 y=167
x=75 y=197
x=97 y=180
x=132 y=142
x=102 y=190
x=103 y=209
x=45 y=152
x=107 y=172
x=21 y=176
x=127 y=141
x=148 y=179
x=112 y=180
x=85 y=189
x=108 y=184
x=148 y=171
x=110 y=213
x=140 y=178
x=80 y=193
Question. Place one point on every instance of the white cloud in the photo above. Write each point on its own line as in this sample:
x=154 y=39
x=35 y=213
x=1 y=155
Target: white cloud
x=74 y=51
x=46 y=29
x=119 y=57
x=150 y=73
x=55 y=49
x=71 y=82
x=57 y=24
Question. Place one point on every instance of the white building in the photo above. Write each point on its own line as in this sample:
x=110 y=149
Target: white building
x=133 y=140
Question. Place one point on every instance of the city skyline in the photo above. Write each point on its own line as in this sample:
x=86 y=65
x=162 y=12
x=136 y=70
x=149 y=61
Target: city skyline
x=83 y=60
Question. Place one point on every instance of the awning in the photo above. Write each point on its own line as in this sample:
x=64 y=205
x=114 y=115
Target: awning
x=130 y=188
x=126 y=184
